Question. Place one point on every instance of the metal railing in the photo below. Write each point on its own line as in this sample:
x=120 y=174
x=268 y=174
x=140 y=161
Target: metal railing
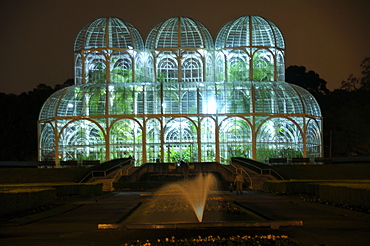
x=261 y=171
x=122 y=172
x=103 y=173
x=243 y=172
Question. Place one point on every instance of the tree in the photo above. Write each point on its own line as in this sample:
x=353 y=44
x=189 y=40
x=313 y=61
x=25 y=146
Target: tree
x=347 y=115
x=19 y=122
x=310 y=80
x=354 y=84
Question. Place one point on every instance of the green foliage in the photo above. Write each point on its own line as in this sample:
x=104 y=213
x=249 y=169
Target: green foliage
x=239 y=71
x=121 y=75
x=290 y=153
x=210 y=155
x=265 y=152
x=172 y=155
x=118 y=74
x=241 y=150
x=263 y=70
x=189 y=153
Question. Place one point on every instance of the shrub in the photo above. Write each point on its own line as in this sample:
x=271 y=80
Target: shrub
x=14 y=200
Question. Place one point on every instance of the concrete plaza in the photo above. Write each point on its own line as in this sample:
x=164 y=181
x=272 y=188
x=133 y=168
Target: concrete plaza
x=77 y=223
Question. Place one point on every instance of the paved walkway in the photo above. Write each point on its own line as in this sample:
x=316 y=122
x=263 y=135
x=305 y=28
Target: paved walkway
x=78 y=224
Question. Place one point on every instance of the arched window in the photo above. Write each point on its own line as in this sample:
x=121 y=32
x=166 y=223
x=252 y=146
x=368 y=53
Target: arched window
x=192 y=67
x=167 y=67
x=120 y=67
x=95 y=67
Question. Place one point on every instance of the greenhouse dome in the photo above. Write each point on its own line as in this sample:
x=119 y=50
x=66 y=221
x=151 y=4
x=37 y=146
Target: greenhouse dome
x=181 y=97
x=109 y=50
x=253 y=49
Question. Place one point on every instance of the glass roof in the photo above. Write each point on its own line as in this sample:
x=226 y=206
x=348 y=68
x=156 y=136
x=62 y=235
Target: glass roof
x=91 y=99
x=250 y=31
x=108 y=32
x=179 y=32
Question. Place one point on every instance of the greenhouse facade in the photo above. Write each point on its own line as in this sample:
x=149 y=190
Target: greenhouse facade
x=180 y=96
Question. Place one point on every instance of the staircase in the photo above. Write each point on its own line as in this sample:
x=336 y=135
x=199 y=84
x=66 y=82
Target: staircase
x=108 y=180
x=257 y=175
x=107 y=183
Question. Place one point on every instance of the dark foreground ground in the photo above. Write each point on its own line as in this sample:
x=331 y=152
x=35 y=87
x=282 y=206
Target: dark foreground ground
x=77 y=223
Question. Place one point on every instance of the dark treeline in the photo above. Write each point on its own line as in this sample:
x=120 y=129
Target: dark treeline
x=346 y=113
x=346 y=110
x=18 y=124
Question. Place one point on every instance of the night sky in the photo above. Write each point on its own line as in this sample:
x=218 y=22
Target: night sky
x=37 y=36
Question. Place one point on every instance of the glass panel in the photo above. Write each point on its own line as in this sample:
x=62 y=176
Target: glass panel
x=126 y=140
x=313 y=138
x=263 y=66
x=208 y=139
x=238 y=66
x=78 y=69
x=121 y=98
x=153 y=141
x=167 y=67
x=47 y=142
x=180 y=136
x=235 y=139
x=82 y=140
x=95 y=67
x=279 y=137
x=192 y=67
x=121 y=67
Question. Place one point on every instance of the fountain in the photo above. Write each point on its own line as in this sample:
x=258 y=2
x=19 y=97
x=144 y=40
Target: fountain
x=181 y=205
x=194 y=191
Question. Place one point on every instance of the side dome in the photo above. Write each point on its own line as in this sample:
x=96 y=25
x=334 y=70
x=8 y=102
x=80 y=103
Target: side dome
x=178 y=32
x=253 y=50
x=283 y=98
x=248 y=31
x=91 y=99
x=108 y=32
x=109 y=50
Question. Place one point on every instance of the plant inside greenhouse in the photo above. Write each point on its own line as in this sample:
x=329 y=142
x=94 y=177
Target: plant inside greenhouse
x=179 y=95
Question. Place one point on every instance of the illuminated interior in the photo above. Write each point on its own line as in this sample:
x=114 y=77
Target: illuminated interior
x=180 y=96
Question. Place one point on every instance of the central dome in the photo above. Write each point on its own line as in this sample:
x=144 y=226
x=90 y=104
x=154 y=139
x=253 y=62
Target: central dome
x=178 y=32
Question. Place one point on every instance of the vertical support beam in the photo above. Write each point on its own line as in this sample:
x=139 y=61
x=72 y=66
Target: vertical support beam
x=199 y=139
x=56 y=150
x=254 y=128
x=107 y=139
x=217 y=137
x=143 y=137
x=254 y=139
x=304 y=137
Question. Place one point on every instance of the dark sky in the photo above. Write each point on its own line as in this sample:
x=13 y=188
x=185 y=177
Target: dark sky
x=36 y=43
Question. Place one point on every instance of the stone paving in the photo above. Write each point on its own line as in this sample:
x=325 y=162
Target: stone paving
x=78 y=223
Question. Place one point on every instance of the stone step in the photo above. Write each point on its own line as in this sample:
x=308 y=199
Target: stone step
x=107 y=184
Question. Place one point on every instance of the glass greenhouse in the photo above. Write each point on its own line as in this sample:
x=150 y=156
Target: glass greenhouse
x=180 y=96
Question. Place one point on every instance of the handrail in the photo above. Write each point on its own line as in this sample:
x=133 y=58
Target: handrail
x=250 y=179
x=91 y=174
x=120 y=173
x=270 y=171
